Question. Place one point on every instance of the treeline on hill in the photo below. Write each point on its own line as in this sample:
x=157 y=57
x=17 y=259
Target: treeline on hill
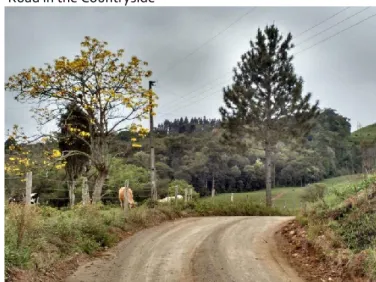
x=192 y=150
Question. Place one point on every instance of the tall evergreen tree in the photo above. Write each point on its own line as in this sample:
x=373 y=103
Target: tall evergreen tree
x=265 y=100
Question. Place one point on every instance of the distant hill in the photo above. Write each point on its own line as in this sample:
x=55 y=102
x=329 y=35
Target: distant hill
x=365 y=134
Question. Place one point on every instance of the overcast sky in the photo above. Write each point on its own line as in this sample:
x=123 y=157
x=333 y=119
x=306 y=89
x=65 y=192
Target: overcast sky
x=340 y=72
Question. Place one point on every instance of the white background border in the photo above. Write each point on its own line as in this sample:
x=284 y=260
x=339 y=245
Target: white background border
x=157 y=3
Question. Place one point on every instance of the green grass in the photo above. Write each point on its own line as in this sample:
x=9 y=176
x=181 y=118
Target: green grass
x=257 y=196
x=290 y=198
x=343 y=185
x=240 y=207
x=365 y=134
x=342 y=181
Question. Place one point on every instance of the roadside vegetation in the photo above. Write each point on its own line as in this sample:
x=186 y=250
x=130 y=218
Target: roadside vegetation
x=339 y=221
x=39 y=236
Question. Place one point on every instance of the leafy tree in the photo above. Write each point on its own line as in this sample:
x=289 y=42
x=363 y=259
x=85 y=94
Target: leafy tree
x=137 y=176
x=216 y=165
x=163 y=170
x=235 y=171
x=108 y=90
x=140 y=159
x=23 y=155
x=265 y=101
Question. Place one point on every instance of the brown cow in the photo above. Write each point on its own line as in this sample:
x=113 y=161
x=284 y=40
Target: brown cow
x=131 y=202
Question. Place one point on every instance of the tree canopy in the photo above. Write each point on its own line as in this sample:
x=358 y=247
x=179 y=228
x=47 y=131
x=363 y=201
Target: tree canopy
x=108 y=90
x=266 y=100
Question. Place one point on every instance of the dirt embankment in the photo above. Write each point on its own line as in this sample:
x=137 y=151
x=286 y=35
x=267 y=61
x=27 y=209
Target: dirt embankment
x=311 y=263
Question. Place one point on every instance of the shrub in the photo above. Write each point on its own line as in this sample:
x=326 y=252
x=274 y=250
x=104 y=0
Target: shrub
x=359 y=230
x=314 y=192
x=240 y=208
x=303 y=220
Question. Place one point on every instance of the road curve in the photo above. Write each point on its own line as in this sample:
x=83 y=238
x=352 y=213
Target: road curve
x=193 y=250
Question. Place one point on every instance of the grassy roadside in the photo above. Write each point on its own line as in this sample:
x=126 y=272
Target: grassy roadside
x=338 y=231
x=42 y=236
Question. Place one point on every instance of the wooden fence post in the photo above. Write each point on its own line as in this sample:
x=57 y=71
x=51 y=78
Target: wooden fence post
x=176 y=195
x=29 y=185
x=232 y=197
x=85 y=192
x=185 y=195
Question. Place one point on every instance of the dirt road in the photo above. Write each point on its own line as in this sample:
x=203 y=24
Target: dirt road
x=196 y=249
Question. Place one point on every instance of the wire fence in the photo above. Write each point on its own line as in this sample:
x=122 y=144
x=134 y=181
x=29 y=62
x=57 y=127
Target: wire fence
x=55 y=192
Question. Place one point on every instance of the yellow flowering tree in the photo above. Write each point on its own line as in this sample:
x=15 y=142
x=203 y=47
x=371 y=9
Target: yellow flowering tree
x=20 y=159
x=100 y=82
x=137 y=131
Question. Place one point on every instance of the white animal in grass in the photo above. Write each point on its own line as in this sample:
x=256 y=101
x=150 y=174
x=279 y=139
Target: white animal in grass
x=169 y=199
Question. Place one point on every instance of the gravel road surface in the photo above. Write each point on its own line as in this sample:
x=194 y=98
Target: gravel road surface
x=210 y=249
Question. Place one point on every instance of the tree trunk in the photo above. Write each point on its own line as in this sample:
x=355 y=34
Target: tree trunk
x=72 y=190
x=213 y=187
x=85 y=192
x=268 y=176
x=98 y=185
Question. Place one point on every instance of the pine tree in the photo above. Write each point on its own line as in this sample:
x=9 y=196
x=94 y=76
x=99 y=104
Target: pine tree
x=265 y=101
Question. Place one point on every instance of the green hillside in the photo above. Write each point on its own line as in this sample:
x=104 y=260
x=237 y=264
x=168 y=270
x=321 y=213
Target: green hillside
x=288 y=197
x=367 y=133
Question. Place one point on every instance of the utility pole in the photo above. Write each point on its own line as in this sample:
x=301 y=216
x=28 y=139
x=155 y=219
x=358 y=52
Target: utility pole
x=154 y=195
